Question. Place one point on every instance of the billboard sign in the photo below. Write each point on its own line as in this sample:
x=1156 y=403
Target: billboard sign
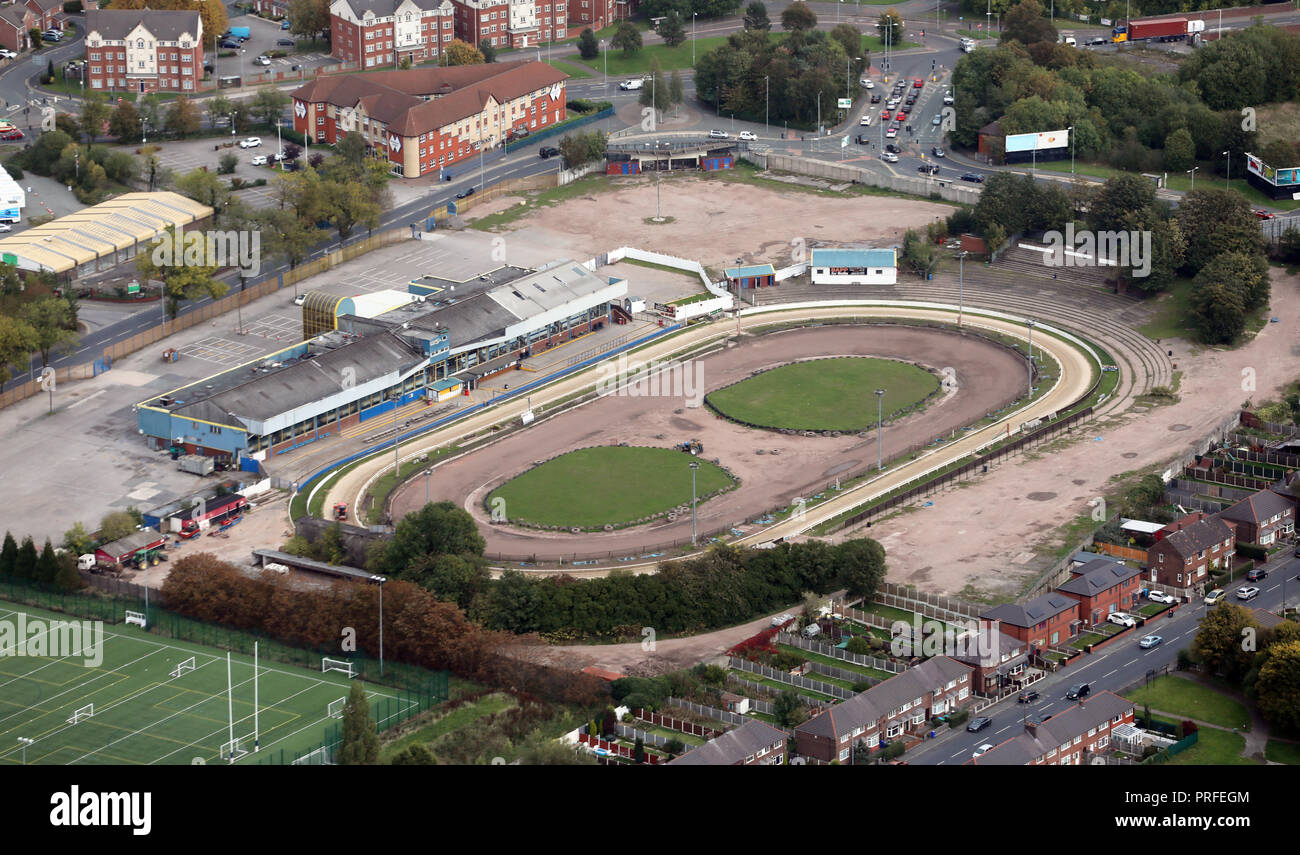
x=1254 y=165
x=846 y=103
x=1037 y=142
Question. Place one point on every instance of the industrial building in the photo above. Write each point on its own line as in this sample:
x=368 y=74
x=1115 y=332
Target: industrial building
x=12 y=199
x=374 y=353
x=102 y=236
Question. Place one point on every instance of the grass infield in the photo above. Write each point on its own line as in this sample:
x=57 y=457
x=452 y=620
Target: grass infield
x=824 y=394
x=607 y=485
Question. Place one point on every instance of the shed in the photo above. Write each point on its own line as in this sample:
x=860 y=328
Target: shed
x=750 y=276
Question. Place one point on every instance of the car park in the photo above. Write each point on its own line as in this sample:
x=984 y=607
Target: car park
x=973 y=177
x=1249 y=592
x=259 y=160
x=889 y=157
x=250 y=142
x=1121 y=619
x=1028 y=696
x=1214 y=596
x=983 y=749
x=1078 y=692
x=466 y=193
x=748 y=135
x=1161 y=597
x=936 y=151
x=284 y=42
x=716 y=134
x=1257 y=575
x=1149 y=641
x=978 y=723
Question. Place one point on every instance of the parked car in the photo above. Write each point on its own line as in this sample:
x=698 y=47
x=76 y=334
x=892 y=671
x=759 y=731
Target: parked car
x=889 y=157
x=284 y=43
x=548 y=151
x=1214 y=596
x=748 y=135
x=230 y=44
x=300 y=299
x=1249 y=592
x=1097 y=40
x=1149 y=641
x=284 y=25
x=1264 y=215
x=936 y=151
x=279 y=155
x=973 y=177
x=7 y=54
x=1028 y=696
x=986 y=747
x=1161 y=597
x=466 y=193
x=1257 y=575
x=978 y=723
x=1121 y=619
x=948 y=99
x=263 y=60
x=716 y=134
x=250 y=142
x=52 y=35
x=1078 y=692
x=259 y=160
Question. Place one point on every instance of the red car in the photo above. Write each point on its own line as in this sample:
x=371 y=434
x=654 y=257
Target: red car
x=885 y=114
x=12 y=135
x=1262 y=214
x=900 y=116
x=917 y=83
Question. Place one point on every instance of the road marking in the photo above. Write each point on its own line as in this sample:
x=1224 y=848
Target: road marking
x=1126 y=664
x=1108 y=673
x=84 y=400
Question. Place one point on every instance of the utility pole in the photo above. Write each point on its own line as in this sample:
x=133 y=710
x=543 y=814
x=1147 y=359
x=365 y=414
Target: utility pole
x=880 y=403
x=1227 y=181
x=1031 y=325
x=961 y=263
x=1071 y=131
x=767 y=111
x=1192 y=172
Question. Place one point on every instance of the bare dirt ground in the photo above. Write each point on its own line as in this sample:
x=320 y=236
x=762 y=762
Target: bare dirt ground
x=987 y=376
x=716 y=221
x=989 y=532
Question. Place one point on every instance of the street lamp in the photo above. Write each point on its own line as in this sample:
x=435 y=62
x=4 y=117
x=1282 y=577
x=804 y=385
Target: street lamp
x=693 y=14
x=604 y=54
x=381 y=580
x=1192 y=172
x=1071 y=131
x=880 y=404
x=24 y=742
x=767 y=89
x=695 y=465
x=1031 y=324
x=1227 y=181
x=961 y=263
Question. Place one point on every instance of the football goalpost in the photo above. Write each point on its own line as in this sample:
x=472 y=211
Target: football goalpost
x=335 y=708
x=327 y=664
x=84 y=712
x=136 y=618
x=187 y=665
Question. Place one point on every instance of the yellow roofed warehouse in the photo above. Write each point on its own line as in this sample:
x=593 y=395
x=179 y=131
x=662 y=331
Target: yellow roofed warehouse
x=102 y=236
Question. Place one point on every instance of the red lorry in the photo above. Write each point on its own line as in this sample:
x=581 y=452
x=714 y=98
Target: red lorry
x=1159 y=30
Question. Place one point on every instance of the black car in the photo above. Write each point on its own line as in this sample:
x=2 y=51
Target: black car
x=928 y=169
x=1078 y=692
x=861 y=139
x=547 y=151
x=978 y=724
x=875 y=99
x=890 y=147
x=284 y=42
x=230 y=44
x=911 y=99
x=466 y=193
x=973 y=177
x=1257 y=574
x=907 y=108
x=1028 y=697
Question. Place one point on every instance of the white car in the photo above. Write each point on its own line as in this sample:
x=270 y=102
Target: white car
x=7 y=54
x=1121 y=619
x=279 y=155
x=892 y=133
x=748 y=135
x=250 y=142
x=889 y=157
x=300 y=299
x=630 y=85
x=1250 y=592
x=867 y=83
x=5 y=227
x=979 y=752
x=866 y=121
x=259 y=160
x=263 y=60
x=1161 y=597
x=716 y=134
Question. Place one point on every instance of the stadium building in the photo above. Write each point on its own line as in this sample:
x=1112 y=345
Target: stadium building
x=380 y=352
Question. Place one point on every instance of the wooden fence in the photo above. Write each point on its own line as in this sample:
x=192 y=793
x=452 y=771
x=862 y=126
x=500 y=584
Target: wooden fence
x=1127 y=552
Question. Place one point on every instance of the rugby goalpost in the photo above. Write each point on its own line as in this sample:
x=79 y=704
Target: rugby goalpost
x=343 y=665
x=84 y=712
x=235 y=748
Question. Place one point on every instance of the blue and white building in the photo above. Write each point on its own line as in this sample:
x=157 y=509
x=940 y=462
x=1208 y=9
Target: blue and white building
x=854 y=267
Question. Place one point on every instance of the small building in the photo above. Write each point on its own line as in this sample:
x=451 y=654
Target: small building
x=1042 y=622
x=750 y=276
x=1102 y=587
x=737 y=704
x=123 y=550
x=996 y=668
x=854 y=267
x=754 y=743
x=1262 y=518
x=445 y=390
x=1182 y=559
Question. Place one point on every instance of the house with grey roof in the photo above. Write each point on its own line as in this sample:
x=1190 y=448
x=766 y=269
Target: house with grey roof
x=1068 y=738
x=1262 y=518
x=1103 y=586
x=1042 y=622
x=754 y=743
x=1181 y=560
x=897 y=708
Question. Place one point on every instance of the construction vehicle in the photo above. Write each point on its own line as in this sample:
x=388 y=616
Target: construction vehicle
x=340 y=511
x=692 y=447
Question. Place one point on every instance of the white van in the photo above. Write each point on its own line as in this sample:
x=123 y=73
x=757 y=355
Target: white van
x=631 y=85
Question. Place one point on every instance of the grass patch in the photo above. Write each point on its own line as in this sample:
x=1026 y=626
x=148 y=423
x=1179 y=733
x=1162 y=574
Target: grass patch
x=570 y=68
x=780 y=687
x=1214 y=748
x=1173 y=311
x=1181 y=182
x=618 y=485
x=441 y=723
x=814 y=395
x=1282 y=752
x=545 y=199
x=664 y=267
x=1192 y=700
x=833 y=662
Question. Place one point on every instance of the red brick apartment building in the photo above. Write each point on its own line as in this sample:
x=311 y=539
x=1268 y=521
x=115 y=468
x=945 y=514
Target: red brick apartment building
x=598 y=14
x=511 y=23
x=1188 y=550
x=381 y=33
x=1087 y=728
x=144 y=51
x=425 y=119
x=1101 y=587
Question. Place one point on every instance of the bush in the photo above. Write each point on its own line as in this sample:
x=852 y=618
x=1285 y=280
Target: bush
x=893 y=750
x=958 y=718
x=15 y=171
x=860 y=644
x=861 y=686
x=1250 y=550
x=72 y=7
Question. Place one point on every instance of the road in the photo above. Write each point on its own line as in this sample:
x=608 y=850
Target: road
x=1115 y=668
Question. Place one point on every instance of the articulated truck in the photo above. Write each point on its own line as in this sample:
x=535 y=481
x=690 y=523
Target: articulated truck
x=1158 y=30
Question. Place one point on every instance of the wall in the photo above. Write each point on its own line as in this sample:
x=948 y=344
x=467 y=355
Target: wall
x=951 y=191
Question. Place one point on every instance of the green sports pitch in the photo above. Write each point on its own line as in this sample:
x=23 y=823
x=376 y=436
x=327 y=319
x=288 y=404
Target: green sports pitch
x=824 y=394
x=155 y=701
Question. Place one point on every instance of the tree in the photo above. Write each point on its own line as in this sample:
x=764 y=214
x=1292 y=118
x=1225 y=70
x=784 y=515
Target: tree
x=94 y=113
x=352 y=204
x=25 y=564
x=655 y=94
x=17 y=341
x=415 y=755
x=1180 y=151
x=674 y=746
x=627 y=38
x=219 y=107
x=756 y=16
x=638 y=750
x=455 y=578
x=181 y=279
x=227 y=163
x=67 y=578
x=359 y=744
x=115 y=525
x=54 y=323
x=288 y=236
x=8 y=555
x=672 y=30
x=1119 y=200
x=588 y=47
x=307 y=17
x=788 y=709
x=489 y=52
x=798 y=17
x=1025 y=23
x=182 y=118
x=76 y=540
x=439 y=528
x=849 y=38
x=860 y=566
x=1278 y=685
x=1246 y=274
x=1215 y=220
x=675 y=92
x=47 y=565
x=1218 y=642
x=580 y=149
x=268 y=104
x=458 y=52
x=121 y=167
x=890 y=27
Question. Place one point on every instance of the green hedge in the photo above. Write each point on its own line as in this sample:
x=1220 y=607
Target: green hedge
x=1250 y=550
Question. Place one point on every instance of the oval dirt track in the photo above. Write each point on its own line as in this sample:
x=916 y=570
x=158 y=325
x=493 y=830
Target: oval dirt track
x=988 y=376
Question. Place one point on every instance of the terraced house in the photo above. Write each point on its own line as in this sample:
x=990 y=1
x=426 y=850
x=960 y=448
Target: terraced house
x=1066 y=739
x=426 y=119
x=144 y=51
x=381 y=33
x=894 y=709
x=1262 y=518
x=1182 y=559
x=1042 y=622
x=1102 y=587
